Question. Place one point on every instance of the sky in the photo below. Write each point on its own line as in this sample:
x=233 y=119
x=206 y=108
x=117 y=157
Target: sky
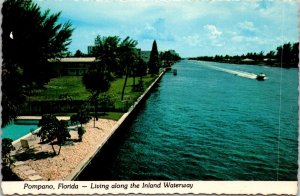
x=190 y=27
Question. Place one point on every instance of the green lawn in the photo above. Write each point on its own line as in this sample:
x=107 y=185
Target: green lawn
x=70 y=85
x=105 y=115
x=130 y=97
x=73 y=87
x=111 y=115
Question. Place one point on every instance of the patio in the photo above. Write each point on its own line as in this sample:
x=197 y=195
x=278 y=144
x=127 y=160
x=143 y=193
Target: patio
x=38 y=162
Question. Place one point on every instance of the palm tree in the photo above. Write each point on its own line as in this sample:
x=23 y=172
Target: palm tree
x=106 y=51
x=128 y=57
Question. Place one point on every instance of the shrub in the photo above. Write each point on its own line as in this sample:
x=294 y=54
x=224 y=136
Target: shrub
x=81 y=131
x=7 y=147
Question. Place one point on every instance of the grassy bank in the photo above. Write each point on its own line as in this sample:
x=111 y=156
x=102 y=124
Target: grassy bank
x=71 y=88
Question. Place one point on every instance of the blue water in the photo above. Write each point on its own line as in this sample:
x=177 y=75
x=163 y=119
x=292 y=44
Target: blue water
x=15 y=132
x=207 y=124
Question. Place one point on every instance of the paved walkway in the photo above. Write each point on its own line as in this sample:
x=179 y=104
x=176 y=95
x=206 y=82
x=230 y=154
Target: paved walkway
x=24 y=171
x=30 y=175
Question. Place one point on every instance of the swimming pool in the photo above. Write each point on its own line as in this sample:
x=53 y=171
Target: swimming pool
x=15 y=132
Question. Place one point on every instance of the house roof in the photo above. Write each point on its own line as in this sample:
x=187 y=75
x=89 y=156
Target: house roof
x=247 y=60
x=74 y=60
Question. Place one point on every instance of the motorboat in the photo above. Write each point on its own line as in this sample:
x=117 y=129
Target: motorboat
x=261 y=76
x=174 y=72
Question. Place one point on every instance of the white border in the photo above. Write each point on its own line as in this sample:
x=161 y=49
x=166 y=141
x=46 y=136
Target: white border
x=198 y=187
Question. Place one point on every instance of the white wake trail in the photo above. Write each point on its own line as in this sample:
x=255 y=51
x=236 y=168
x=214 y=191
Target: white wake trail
x=234 y=72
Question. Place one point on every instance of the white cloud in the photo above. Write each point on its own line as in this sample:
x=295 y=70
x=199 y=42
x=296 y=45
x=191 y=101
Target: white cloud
x=247 y=25
x=154 y=30
x=250 y=40
x=188 y=26
x=192 y=40
x=217 y=43
x=214 y=33
x=237 y=38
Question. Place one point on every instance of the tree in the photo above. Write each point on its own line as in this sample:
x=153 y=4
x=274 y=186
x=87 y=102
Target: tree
x=97 y=80
x=105 y=102
x=154 y=60
x=29 y=39
x=271 y=54
x=78 y=53
x=7 y=147
x=53 y=130
x=170 y=58
x=13 y=93
x=114 y=56
x=62 y=133
x=106 y=50
x=260 y=56
x=284 y=54
x=295 y=54
x=128 y=58
x=141 y=68
x=82 y=117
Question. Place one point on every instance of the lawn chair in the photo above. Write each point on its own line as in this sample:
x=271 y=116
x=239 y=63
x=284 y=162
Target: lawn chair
x=25 y=145
x=33 y=134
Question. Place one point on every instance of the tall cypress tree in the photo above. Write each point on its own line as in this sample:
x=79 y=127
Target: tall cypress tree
x=154 y=59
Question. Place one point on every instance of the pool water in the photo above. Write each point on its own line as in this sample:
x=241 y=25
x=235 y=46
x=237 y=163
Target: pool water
x=15 y=132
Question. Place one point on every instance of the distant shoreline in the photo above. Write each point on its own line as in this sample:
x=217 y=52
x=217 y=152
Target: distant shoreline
x=259 y=63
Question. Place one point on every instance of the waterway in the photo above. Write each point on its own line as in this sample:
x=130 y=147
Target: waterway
x=212 y=121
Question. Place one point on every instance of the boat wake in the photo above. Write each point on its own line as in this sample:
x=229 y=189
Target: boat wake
x=234 y=72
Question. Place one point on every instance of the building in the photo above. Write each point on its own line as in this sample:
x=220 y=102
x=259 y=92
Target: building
x=145 y=55
x=247 y=60
x=137 y=51
x=90 y=49
x=72 y=66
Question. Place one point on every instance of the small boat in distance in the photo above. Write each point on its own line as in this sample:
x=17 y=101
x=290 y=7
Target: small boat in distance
x=261 y=77
x=174 y=72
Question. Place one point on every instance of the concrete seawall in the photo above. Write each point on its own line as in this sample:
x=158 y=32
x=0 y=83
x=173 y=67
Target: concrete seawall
x=120 y=124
